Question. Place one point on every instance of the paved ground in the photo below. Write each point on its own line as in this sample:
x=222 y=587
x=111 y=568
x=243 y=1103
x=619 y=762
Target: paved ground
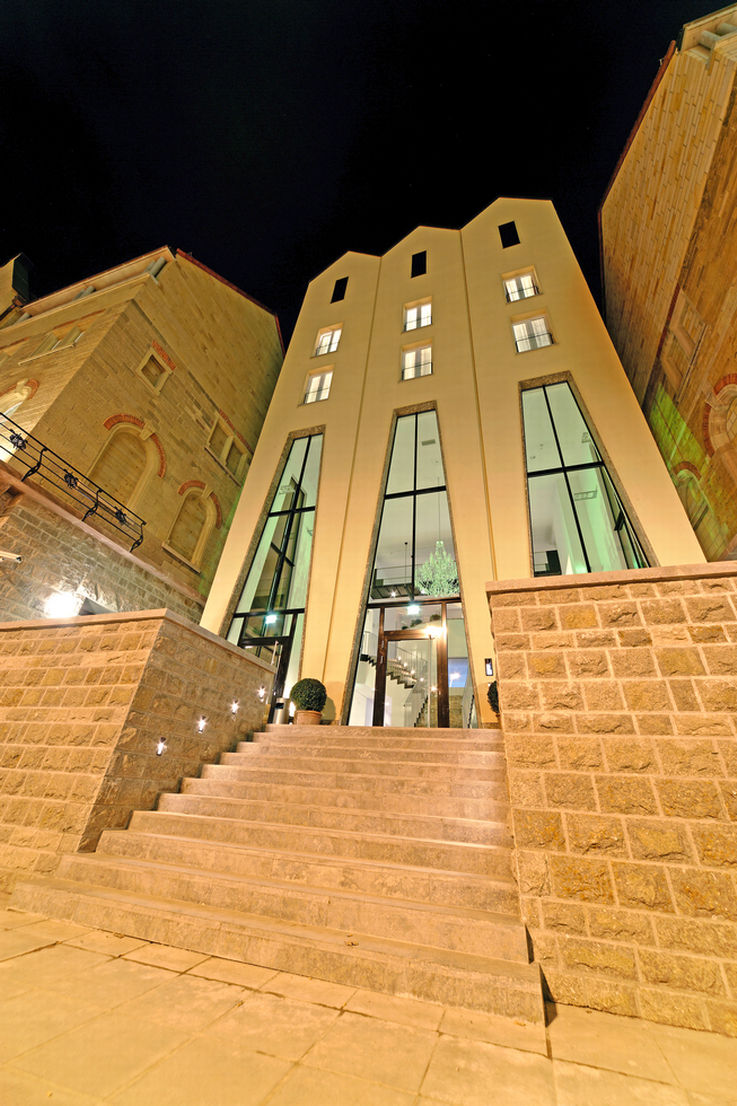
x=90 y=1017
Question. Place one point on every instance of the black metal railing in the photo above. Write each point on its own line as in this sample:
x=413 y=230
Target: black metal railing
x=524 y=293
x=533 y=341
x=17 y=445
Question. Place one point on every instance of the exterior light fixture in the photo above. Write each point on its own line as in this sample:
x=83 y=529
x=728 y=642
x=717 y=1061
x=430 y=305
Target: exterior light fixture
x=201 y=724
x=269 y=619
x=394 y=595
x=234 y=707
x=261 y=693
x=160 y=748
x=434 y=632
x=413 y=608
x=62 y=604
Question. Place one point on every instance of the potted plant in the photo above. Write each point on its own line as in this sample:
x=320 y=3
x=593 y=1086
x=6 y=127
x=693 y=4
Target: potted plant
x=493 y=697
x=309 y=697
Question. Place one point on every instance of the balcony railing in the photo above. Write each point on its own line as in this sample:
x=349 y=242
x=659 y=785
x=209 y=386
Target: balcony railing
x=524 y=293
x=533 y=341
x=17 y=445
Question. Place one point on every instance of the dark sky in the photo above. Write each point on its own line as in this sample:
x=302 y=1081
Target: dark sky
x=269 y=137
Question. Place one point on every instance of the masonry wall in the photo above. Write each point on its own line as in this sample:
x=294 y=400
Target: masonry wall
x=61 y=554
x=618 y=698
x=84 y=704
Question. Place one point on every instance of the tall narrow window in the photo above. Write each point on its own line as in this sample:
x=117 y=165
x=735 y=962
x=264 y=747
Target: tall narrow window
x=416 y=362
x=532 y=334
x=192 y=527
x=269 y=615
x=124 y=465
x=521 y=287
x=327 y=340
x=419 y=263
x=577 y=520
x=339 y=289
x=417 y=315
x=508 y=234
x=318 y=386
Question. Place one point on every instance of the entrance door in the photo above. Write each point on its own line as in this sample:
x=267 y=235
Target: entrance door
x=276 y=651
x=411 y=679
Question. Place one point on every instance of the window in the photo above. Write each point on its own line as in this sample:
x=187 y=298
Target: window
x=226 y=448
x=508 y=234
x=417 y=315
x=327 y=340
x=419 y=263
x=577 y=520
x=125 y=464
x=154 y=371
x=532 y=334
x=416 y=362
x=192 y=527
x=339 y=289
x=521 y=287
x=318 y=386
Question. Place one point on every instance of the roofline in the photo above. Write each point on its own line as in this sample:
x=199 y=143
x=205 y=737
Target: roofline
x=631 y=138
x=229 y=284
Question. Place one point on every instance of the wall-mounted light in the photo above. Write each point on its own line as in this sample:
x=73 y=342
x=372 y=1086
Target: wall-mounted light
x=261 y=693
x=234 y=707
x=489 y=666
x=413 y=608
x=160 y=748
x=201 y=724
x=270 y=619
x=62 y=604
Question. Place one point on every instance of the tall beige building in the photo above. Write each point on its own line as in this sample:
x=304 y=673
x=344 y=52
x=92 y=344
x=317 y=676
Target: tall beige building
x=130 y=405
x=668 y=243
x=448 y=414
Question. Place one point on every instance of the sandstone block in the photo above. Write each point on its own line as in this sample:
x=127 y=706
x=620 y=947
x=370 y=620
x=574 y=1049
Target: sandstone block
x=721 y=660
x=581 y=878
x=604 y=723
x=702 y=725
x=561 y=696
x=595 y=639
x=722 y=1017
x=539 y=618
x=579 y=753
x=613 y=997
x=591 y=833
x=681 y=798
x=634 y=639
x=578 y=616
x=632 y=662
x=680 y=662
x=564 y=916
x=619 y=614
x=663 y=611
x=512 y=666
x=552 y=641
x=718 y=695
x=714 y=608
x=533 y=873
x=626 y=926
x=646 y=695
x=712 y=632
x=553 y=723
x=626 y=795
x=538 y=829
x=716 y=845
x=526 y=752
x=669 y=1009
x=658 y=839
x=700 y=935
x=629 y=755
x=507 y=621
x=598 y=956
x=642 y=885
x=574 y=790
x=682 y=973
x=584 y=663
x=705 y=893
x=683 y=694
x=682 y=757
x=517 y=722
x=526 y=789
x=546 y=664
x=518 y=695
x=512 y=641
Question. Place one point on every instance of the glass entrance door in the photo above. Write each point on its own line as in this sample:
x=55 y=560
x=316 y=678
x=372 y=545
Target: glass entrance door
x=411 y=680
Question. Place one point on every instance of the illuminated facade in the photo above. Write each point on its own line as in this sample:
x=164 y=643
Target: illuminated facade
x=448 y=414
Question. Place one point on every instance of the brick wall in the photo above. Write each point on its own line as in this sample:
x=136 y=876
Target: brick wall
x=60 y=553
x=84 y=703
x=618 y=697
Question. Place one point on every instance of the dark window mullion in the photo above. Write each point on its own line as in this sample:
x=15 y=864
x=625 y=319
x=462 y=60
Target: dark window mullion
x=555 y=432
x=578 y=524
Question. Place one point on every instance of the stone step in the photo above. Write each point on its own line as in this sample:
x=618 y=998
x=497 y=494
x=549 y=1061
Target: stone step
x=402 y=825
x=492 y=984
x=356 y=766
x=490 y=860
x=226 y=781
x=472 y=758
x=389 y=880
x=345 y=737
x=456 y=928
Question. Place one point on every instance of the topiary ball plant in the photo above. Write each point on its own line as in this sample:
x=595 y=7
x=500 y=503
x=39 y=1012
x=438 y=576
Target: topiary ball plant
x=493 y=696
x=308 y=694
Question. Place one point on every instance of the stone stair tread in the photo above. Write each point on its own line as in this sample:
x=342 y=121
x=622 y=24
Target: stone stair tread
x=472 y=914
x=320 y=858
x=317 y=935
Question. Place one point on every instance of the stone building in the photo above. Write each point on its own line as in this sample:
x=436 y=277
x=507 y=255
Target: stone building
x=413 y=452
x=131 y=404
x=668 y=225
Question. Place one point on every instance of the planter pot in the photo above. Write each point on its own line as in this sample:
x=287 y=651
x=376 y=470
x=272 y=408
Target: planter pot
x=307 y=717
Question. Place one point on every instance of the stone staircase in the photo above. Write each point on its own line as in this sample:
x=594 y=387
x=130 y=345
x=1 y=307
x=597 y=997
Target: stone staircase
x=379 y=858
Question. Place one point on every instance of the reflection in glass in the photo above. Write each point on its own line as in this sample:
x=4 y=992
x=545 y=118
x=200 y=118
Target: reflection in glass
x=577 y=520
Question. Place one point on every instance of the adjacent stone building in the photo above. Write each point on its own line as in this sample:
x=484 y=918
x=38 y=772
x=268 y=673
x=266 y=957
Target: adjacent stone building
x=131 y=404
x=668 y=243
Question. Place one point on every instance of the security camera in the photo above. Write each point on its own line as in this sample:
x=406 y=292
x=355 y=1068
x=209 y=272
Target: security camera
x=10 y=556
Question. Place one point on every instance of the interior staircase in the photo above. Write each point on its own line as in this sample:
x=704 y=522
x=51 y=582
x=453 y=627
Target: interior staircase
x=379 y=858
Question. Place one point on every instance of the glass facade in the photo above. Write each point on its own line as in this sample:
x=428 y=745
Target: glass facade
x=269 y=616
x=577 y=520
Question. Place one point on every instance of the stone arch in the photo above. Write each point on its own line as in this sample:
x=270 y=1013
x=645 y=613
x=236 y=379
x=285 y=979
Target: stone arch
x=128 y=459
x=196 y=518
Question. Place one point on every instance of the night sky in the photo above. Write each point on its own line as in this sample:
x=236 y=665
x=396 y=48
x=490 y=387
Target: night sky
x=268 y=138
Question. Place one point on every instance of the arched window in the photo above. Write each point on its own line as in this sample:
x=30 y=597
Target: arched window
x=11 y=401
x=193 y=525
x=125 y=464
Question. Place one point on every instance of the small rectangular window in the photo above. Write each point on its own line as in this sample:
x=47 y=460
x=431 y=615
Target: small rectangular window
x=327 y=340
x=418 y=315
x=419 y=263
x=416 y=362
x=154 y=372
x=225 y=446
x=318 y=386
x=339 y=289
x=508 y=234
x=521 y=287
x=532 y=334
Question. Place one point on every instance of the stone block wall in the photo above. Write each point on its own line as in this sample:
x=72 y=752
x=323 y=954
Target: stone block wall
x=618 y=697
x=84 y=703
x=60 y=553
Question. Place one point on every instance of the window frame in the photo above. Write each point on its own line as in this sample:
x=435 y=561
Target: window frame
x=417 y=306
x=519 y=274
x=318 y=375
x=412 y=352
x=542 y=316
x=166 y=371
x=231 y=439
x=333 y=334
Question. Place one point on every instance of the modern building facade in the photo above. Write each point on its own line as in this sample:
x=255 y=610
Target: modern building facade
x=668 y=225
x=130 y=405
x=448 y=414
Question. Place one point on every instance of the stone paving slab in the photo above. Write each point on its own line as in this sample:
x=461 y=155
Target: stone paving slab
x=89 y=1018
